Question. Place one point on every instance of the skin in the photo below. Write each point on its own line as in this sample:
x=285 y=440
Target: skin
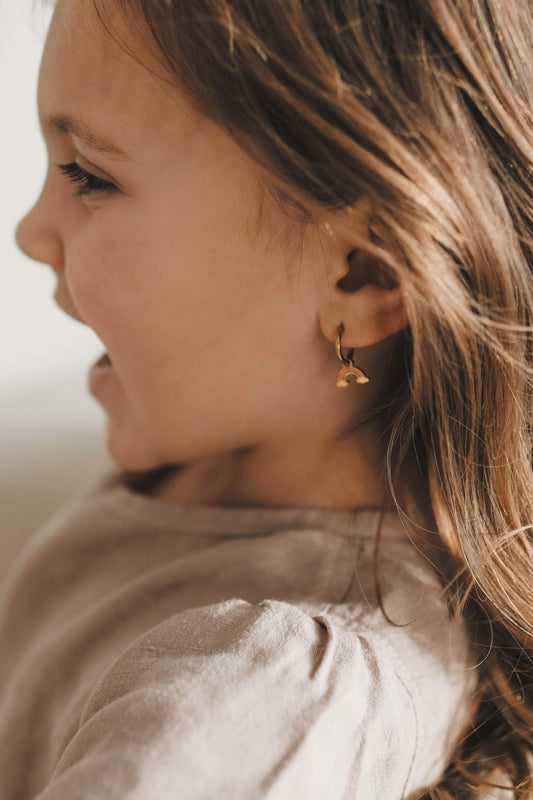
x=222 y=336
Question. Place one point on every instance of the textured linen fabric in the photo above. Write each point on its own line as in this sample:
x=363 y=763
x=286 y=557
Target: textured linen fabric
x=155 y=650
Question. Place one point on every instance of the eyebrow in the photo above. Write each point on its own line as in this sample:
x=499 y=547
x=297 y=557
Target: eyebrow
x=95 y=142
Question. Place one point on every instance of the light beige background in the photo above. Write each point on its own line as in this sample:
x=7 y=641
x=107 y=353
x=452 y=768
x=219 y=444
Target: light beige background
x=52 y=432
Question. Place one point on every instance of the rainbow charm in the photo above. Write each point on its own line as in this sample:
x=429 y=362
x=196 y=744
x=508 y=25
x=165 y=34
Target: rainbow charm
x=348 y=370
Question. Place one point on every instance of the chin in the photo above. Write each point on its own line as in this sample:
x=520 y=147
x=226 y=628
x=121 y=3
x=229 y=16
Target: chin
x=131 y=453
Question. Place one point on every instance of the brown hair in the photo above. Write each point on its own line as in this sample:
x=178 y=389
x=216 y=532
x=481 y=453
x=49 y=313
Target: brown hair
x=426 y=109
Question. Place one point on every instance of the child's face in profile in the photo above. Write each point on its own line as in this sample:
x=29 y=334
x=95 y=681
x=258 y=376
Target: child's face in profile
x=212 y=333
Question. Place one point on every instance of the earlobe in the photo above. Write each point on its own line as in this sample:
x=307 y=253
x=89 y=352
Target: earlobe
x=371 y=314
x=393 y=312
x=368 y=315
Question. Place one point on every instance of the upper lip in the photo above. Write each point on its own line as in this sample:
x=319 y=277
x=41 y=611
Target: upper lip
x=74 y=316
x=70 y=310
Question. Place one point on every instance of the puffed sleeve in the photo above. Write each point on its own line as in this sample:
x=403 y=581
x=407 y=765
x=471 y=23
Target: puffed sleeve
x=242 y=701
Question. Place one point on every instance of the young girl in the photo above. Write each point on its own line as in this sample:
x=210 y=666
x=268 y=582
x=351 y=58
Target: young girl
x=303 y=232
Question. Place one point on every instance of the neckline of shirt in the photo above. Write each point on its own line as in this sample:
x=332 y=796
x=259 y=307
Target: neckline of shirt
x=145 y=509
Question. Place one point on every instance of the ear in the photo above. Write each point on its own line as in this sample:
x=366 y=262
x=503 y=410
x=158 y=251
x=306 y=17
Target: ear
x=362 y=293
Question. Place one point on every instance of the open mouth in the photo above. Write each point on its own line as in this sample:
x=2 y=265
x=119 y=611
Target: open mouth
x=104 y=361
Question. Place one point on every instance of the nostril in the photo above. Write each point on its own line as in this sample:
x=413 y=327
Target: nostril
x=104 y=361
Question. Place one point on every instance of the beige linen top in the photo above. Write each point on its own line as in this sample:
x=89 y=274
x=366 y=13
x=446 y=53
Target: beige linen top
x=158 y=651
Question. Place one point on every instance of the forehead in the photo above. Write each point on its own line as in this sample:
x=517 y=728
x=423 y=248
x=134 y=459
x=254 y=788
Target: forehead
x=87 y=76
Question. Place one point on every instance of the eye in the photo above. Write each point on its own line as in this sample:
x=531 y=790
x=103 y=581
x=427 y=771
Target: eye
x=88 y=183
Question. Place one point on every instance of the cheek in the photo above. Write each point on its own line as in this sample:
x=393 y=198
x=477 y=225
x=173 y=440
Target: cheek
x=174 y=308
x=144 y=321
x=101 y=278
x=92 y=296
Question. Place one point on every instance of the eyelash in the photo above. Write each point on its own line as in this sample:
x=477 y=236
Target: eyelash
x=89 y=183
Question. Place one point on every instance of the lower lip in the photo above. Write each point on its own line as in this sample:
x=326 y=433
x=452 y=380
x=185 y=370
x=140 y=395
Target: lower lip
x=99 y=374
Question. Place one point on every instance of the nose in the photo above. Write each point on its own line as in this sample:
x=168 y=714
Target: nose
x=38 y=239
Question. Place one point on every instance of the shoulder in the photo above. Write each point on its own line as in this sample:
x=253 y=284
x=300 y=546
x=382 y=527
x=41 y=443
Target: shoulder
x=231 y=698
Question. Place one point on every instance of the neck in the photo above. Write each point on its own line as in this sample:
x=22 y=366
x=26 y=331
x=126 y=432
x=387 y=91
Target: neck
x=350 y=475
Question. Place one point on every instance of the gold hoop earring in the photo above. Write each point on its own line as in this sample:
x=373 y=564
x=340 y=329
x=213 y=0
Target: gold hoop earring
x=348 y=367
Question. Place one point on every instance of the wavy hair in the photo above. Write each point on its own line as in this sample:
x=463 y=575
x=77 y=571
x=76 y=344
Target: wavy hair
x=424 y=107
